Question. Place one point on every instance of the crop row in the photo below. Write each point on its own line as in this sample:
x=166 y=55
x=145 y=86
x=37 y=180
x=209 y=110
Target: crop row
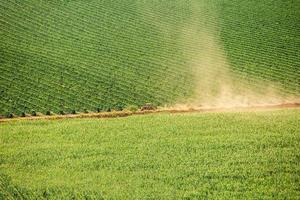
x=98 y=74
x=87 y=55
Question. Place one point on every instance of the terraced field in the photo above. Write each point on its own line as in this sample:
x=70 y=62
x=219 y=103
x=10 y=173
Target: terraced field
x=93 y=55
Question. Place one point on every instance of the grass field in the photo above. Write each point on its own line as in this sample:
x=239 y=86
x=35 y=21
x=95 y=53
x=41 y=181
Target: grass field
x=66 y=55
x=221 y=155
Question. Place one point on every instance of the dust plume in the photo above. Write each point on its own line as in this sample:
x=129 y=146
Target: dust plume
x=216 y=84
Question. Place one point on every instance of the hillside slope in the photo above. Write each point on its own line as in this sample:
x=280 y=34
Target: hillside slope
x=76 y=55
x=222 y=155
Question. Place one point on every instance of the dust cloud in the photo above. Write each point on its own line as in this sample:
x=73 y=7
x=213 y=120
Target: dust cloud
x=216 y=85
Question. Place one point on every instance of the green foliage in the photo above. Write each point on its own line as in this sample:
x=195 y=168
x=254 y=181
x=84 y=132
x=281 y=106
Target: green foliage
x=23 y=114
x=119 y=106
x=83 y=54
x=250 y=155
x=61 y=112
x=8 y=190
x=85 y=111
x=132 y=108
x=48 y=112
x=86 y=54
x=261 y=38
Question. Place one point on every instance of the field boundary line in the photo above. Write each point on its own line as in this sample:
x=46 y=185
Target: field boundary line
x=117 y=114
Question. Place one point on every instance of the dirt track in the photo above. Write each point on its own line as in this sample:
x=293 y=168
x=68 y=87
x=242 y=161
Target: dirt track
x=115 y=114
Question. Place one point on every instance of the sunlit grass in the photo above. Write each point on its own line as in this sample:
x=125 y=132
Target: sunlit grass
x=234 y=155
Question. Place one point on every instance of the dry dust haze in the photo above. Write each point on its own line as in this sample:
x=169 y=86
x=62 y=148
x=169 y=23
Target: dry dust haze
x=216 y=84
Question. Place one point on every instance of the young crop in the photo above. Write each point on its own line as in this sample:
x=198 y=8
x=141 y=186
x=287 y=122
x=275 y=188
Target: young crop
x=179 y=156
x=132 y=108
x=129 y=59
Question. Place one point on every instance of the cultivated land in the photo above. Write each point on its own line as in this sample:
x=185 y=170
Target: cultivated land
x=66 y=55
x=80 y=57
x=222 y=155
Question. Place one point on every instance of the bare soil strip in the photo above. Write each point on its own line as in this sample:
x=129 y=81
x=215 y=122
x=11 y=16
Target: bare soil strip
x=116 y=114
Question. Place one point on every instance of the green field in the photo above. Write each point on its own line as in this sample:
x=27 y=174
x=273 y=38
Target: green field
x=222 y=155
x=64 y=55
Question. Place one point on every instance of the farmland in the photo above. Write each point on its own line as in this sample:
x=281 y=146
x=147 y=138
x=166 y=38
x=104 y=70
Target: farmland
x=64 y=56
x=222 y=155
x=262 y=38
x=142 y=99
